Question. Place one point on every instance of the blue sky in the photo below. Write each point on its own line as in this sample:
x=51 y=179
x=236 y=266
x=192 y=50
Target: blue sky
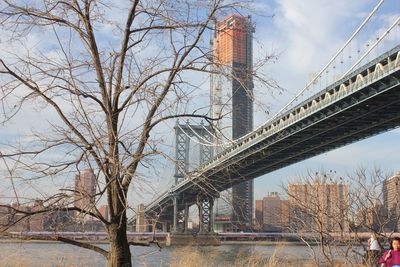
x=307 y=34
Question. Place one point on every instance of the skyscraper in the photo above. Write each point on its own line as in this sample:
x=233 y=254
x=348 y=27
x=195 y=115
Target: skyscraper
x=232 y=98
x=85 y=190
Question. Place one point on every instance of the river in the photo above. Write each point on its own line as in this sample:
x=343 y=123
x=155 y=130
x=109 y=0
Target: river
x=42 y=254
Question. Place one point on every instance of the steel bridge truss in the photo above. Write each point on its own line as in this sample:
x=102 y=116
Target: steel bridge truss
x=205 y=204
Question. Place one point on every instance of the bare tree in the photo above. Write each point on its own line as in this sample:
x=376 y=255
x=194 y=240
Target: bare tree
x=369 y=209
x=105 y=77
x=374 y=208
x=339 y=214
x=318 y=206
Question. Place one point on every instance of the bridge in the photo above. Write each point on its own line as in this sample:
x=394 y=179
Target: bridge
x=362 y=103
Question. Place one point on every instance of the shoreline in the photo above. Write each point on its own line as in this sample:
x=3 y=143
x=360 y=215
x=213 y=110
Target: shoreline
x=264 y=243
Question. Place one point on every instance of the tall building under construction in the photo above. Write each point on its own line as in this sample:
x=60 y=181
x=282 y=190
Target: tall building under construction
x=232 y=100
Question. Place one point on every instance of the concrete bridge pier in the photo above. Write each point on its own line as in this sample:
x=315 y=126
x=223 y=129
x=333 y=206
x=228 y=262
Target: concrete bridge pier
x=179 y=232
x=164 y=227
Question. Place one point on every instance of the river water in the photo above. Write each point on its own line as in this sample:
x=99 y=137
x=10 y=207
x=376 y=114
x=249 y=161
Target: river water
x=58 y=254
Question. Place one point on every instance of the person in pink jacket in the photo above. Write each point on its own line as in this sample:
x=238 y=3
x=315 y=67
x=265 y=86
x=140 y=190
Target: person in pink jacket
x=391 y=258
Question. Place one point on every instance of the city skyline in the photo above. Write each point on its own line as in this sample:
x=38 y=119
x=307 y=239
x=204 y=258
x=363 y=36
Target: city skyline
x=324 y=196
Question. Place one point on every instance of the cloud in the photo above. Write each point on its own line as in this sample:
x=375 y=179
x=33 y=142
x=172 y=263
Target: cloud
x=307 y=34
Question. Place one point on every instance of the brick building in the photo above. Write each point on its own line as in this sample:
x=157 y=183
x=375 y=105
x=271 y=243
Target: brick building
x=272 y=213
x=318 y=202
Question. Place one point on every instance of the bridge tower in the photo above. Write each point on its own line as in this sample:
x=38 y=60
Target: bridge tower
x=232 y=95
x=183 y=135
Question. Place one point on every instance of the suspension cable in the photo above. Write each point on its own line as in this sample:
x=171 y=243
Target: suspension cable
x=330 y=61
x=229 y=141
x=372 y=47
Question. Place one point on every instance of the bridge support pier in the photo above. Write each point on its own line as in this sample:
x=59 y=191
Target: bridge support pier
x=186 y=219
x=180 y=234
x=180 y=217
x=206 y=235
x=205 y=204
x=164 y=227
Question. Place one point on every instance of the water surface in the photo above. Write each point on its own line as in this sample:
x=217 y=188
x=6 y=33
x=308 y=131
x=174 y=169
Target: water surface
x=43 y=254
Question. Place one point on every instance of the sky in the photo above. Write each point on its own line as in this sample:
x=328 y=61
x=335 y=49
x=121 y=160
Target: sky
x=306 y=34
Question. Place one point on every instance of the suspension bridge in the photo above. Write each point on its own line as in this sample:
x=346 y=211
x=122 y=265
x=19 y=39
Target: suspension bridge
x=362 y=102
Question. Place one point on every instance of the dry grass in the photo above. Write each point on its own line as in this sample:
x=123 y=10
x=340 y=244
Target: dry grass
x=188 y=257
x=13 y=261
x=192 y=257
x=19 y=255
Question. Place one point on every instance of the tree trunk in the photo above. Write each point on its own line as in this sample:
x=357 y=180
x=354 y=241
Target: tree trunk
x=119 y=254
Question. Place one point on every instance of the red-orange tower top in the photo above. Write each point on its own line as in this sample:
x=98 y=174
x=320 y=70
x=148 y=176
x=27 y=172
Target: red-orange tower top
x=231 y=40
